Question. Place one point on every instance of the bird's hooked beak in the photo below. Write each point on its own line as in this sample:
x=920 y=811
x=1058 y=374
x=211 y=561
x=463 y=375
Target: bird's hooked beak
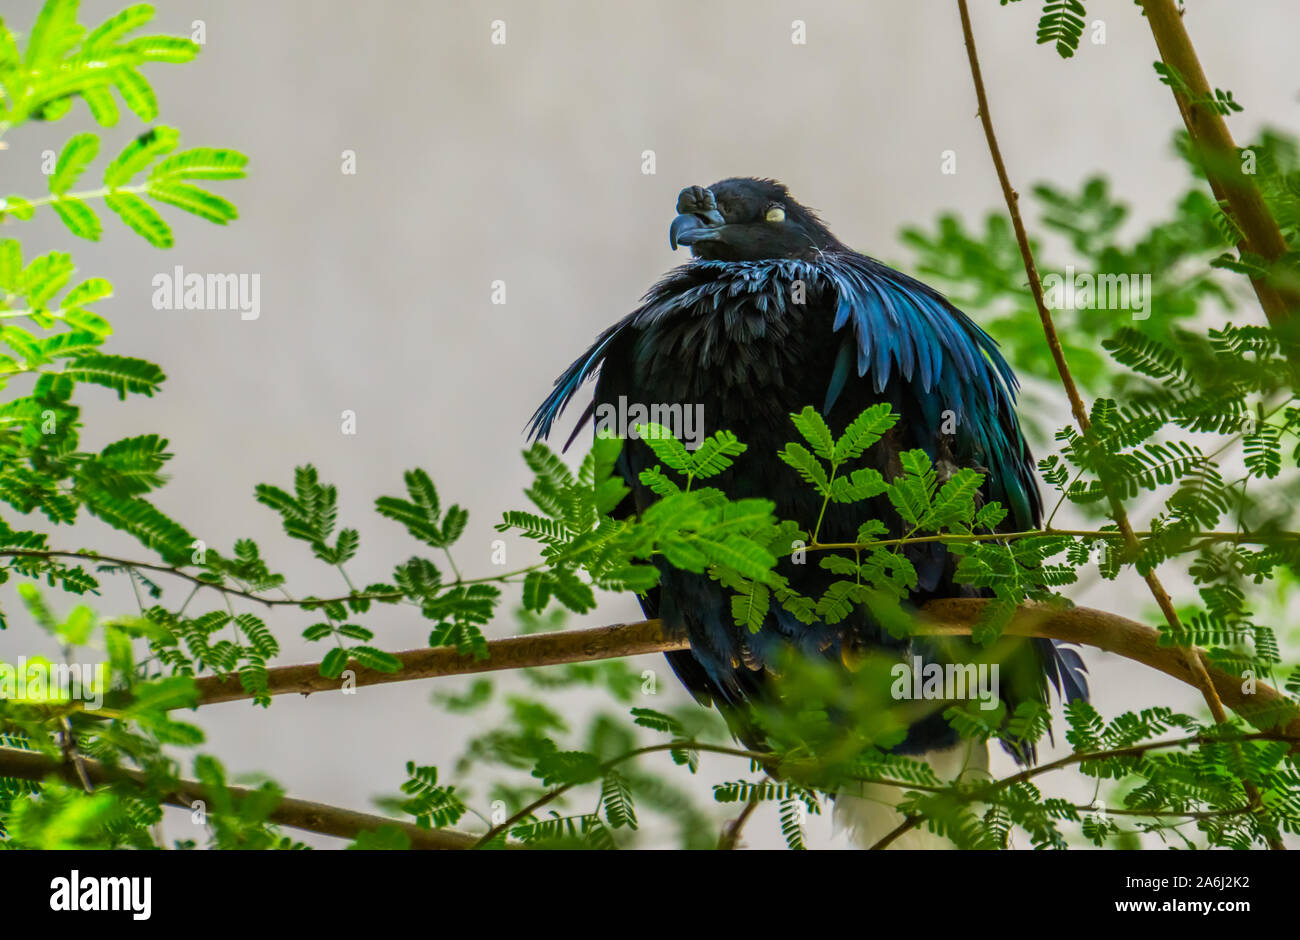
x=698 y=218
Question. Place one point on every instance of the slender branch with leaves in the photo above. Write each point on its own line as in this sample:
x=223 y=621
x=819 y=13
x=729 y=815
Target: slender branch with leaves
x=1188 y=464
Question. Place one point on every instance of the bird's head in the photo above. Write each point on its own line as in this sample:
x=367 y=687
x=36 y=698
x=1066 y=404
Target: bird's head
x=746 y=219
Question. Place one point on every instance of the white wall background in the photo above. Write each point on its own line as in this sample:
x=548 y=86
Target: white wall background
x=522 y=162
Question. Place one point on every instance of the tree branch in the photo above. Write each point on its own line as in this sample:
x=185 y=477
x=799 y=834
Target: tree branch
x=911 y=821
x=1200 y=677
x=556 y=792
x=1250 y=200
x=197 y=581
x=730 y=838
x=516 y=652
x=258 y=596
x=298 y=814
x=1210 y=136
x=952 y=616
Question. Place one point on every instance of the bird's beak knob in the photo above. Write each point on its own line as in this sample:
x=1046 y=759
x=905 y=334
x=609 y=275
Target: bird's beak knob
x=698 y=218
x=694 y=199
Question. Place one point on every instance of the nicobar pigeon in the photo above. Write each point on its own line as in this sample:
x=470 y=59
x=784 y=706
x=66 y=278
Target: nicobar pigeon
x=724 y=332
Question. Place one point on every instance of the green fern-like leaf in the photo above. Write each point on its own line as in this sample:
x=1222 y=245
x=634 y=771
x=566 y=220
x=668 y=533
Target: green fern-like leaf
x=1062 y=23
x=77 y=153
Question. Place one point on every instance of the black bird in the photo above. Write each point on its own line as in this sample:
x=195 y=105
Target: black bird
x=775 y=313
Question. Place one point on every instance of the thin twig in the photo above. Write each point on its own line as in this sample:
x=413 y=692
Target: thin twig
x=202 y=582
x=730 y=838
x=555 y=793
x=1079 y=757
x=1118 y=513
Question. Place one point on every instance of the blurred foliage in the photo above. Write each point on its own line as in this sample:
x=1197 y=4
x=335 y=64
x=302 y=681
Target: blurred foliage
x=1179 y=390
x=980 y=268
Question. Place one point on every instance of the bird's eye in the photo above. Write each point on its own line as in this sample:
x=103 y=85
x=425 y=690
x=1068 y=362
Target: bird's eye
x=775 y=214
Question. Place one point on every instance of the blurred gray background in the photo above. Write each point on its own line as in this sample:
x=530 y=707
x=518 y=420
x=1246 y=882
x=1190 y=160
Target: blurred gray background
x=522 y=162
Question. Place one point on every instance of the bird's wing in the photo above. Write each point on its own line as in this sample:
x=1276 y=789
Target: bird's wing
x=571 y=379
x=897 y=328
x=588 y=364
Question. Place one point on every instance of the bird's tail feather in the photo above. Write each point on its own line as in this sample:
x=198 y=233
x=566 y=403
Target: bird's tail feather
x=866 y=812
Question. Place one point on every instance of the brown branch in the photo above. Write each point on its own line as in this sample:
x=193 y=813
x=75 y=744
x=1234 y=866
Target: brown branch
x=1200 y=677
x=730 y=837
x=909 y=823
x=1211 y=138
x=298 y=814
x=1127 y=638
x=1080 y=757
x=953 y=616
x=1022 y=237
x=1179 y=46
x=555 y=793
x=196 y=580
x=516 y=652
x=1165 y=814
